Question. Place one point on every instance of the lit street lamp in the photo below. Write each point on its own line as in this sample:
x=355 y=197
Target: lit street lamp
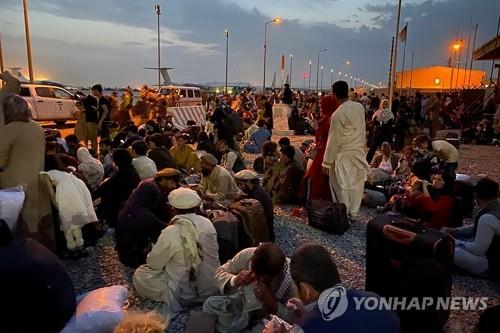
x=317 y=69
x=276 y=20
x=331 y=83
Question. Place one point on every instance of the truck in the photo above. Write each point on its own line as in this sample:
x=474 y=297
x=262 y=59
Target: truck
x=49 y=103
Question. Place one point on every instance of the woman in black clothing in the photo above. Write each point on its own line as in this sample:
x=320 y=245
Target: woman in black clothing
x=115 y=190
x=138 y=226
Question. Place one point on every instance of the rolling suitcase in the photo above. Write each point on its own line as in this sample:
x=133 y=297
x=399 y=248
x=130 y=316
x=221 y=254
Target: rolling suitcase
x=408 y=261
x=253 y=221
x=394 y=241
x=226 y=225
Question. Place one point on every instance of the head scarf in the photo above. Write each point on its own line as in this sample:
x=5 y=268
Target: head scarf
x=16 y=109
x=327 y=105
x=383 y=115
x=147 y=195
x=84 y=157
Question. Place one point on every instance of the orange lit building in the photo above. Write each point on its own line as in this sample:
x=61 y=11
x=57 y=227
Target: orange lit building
x=439 y=78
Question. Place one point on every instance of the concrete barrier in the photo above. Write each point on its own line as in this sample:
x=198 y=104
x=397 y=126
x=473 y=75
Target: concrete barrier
x=181 y=115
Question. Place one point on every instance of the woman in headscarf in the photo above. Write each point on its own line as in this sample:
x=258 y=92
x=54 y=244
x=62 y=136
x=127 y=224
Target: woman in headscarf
x=115 y=191
x=138 y=227
x=22 y=152
x=383 y=119
x=434 y=205
x=319 y=184
x=90 y=167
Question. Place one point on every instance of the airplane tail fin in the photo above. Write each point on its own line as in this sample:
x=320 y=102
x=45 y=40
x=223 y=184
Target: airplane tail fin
x=16 y=72
x=164 y=74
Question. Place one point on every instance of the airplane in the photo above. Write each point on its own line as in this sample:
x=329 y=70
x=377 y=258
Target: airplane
x=164 y=73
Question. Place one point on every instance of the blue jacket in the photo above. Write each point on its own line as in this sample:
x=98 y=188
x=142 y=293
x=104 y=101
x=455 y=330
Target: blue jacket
x=352 y=321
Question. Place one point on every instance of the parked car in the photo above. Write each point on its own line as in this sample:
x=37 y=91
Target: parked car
x=49 y=103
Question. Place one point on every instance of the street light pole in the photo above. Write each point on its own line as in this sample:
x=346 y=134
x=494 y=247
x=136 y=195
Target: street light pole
x=321 y=85
x=331 y=83
x=226 y=32
x=158 y=13
x=274 y=20
x=28 y=39
x=291 y=64
x=310 y=65
x=317 y=69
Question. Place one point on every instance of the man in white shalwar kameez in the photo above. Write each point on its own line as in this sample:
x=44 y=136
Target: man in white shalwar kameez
x=345 y=157
x=180 y=269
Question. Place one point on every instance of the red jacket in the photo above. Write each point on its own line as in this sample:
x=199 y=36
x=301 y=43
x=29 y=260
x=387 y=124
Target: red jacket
x=435 y=213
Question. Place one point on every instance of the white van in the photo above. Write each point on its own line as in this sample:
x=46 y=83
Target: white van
x=50 y=103
x=183 y=96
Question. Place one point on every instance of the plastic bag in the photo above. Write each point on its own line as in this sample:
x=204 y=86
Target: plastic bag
x=11 y=204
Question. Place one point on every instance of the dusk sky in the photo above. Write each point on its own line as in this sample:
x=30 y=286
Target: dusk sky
x=81 y=42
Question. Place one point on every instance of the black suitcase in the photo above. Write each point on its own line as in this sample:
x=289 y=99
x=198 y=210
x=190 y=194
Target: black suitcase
x=394 y=241
x=226 y=225
x=328 y=216
x=399 y=253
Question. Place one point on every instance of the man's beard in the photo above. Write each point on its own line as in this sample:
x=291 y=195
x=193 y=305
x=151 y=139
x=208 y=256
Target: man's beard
x=206 y=172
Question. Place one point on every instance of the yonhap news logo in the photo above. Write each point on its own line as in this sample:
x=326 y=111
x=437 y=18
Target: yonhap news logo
x=333 y=303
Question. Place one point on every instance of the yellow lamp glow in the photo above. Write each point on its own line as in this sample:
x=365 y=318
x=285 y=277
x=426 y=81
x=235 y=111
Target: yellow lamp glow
x=437 y=81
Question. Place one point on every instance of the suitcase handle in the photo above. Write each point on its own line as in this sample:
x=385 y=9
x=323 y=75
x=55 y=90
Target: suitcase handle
x=398 y=235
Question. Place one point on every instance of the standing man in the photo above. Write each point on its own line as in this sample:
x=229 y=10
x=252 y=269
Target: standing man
x=344 y=159
x=104 y=115
x=433 y=111
x=268 y=112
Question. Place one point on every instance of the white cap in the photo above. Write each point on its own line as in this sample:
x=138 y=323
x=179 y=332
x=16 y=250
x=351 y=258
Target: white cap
x=184 y=198
x=246 y=175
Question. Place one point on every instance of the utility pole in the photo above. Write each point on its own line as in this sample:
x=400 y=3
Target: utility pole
x=158 y=13
x=28 y=39
x=226 y=32
x=395 y=56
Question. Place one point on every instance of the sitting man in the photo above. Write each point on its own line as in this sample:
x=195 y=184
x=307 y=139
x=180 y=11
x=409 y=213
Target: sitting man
x=216 y=182
x=31 y=274
x=405 y=162
x=255 y=283
x=477 y=247
x=287 y=187
x=446 y=153
x=249 y=183
x=231 y=160
x=249 y=127
x=144 y=166
x=386 y=159
x=144 y=216
x=106 y=157
x=185 y=157
x=179 y=270
x=383 y=165
x=158 y=153
x=316 y=276
x=298 y=156
x=257 y=139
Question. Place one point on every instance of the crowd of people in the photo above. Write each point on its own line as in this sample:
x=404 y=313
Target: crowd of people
x=153 y=186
